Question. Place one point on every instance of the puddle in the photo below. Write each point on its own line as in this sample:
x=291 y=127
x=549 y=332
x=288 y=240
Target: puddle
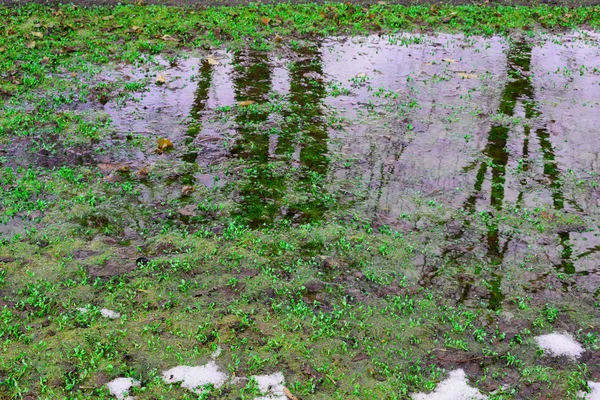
x=418 y=132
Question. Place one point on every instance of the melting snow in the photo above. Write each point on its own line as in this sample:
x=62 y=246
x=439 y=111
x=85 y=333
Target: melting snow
x=271 y=386
x=560 y=344
x=120 y=387
x=195 y=378
x=106 y=313
x=454 y=388
x=594 y=394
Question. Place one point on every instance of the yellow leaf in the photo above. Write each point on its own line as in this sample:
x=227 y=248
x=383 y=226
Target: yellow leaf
x=108 y=17
x=161 y=79
x=449 y=60
x=289 y=394
x=37 y=34
x=30 y=45
x=169 y=38
x=361 y=75
x=2 y=49
x=212 y=61
x=467 y=76
x=163 y=144
x=265 y=20
x=245 y=103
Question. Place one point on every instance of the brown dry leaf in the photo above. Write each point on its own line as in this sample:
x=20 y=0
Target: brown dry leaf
x=10 y=31
x=188 y=211
x=187 y=190
x=143 y=172
x=265 y=20
x=289 y=394
x=360 y=357
x=161 y=79
x=123 y=168
x=37 y=34
x=245 y=103
x=169 y=38
x=212 y=61
x=45 y=60
x=464 y=75
x=361 y=75
x=108 y=17
x=278 y=38
x=163 y=144
x=139 y=2
x=2 y=49
x=30 y=45
x=449 y=60
x=381 y=3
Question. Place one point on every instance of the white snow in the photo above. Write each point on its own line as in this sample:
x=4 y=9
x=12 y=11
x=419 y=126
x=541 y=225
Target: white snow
x=594 y=394
x=106 y=313
x=194 y=378
x=120 y=387
x=559 y=344
x=456 y=387
x=271 y=386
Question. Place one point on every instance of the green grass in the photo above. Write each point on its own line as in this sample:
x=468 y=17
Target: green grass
x=303 y=298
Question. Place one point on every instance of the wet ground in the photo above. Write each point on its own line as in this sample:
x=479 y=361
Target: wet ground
x=480 y=153
x=408 y=132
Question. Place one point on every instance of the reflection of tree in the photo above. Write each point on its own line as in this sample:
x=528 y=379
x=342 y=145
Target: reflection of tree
x=518 y=87
x=306 y=120
x=302 y=135
x=252 y=82
x=198 y=106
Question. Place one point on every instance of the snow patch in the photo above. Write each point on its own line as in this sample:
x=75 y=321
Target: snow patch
x=120 y=387
x=594 y=394
x=456 y=387
x=271 y=386
x=559 y=344
x=106 y=313
x=195 y=378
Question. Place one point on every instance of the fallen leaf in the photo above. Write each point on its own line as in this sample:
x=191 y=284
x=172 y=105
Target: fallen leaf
x=2 y=49
x=360 y=357
x=143 y=172
x=45 y=60
x=169 y=38
x=187 y=190
x=108 y=17
x=212 y=61
x=30 y=45
x=449 y=60
x=289 y=394
x=139 y=2
x=265 y=20
x=163 y=144
x=123 y=168
x=37 y=34
x=467 y=76
x=188 y=211
x=361 y=75
x=278 y=38
x=161 y=79
x=245 y=103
